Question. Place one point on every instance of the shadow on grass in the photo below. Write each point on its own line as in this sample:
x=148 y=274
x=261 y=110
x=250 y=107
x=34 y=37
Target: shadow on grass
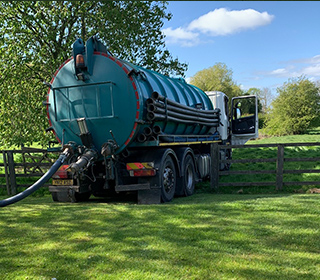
x=205 y=236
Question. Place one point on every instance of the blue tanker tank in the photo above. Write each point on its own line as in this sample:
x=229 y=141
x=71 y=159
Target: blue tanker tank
x=124 y=128
x=127 y=128
x=116 y=101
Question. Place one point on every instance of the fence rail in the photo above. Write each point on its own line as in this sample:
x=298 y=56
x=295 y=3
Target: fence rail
x=24 y=163
x=279 y=170
x=35 y=162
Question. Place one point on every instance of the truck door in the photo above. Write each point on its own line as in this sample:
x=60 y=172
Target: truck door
x=244 y=119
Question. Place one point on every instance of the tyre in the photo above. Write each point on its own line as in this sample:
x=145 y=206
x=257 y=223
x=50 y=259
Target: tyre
x=168 y=179
x=188 y=178
x=81 y=197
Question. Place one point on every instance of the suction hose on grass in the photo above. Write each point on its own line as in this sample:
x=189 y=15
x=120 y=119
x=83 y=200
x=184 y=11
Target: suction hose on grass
x=54 y=168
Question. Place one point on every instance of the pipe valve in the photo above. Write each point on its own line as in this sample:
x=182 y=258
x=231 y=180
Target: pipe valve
x=83 y=161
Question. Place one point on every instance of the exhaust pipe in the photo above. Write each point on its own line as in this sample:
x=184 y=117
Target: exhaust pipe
x=54 y=168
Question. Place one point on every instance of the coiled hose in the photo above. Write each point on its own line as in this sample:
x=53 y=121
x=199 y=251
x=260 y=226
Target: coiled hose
x=54 y=168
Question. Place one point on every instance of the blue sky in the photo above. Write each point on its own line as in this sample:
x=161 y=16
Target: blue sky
x=264 y=42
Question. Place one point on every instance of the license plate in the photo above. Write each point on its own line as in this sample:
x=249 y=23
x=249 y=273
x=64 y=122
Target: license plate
x=64 y=182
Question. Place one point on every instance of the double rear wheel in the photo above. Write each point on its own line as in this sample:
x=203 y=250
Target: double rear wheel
x=169 y=180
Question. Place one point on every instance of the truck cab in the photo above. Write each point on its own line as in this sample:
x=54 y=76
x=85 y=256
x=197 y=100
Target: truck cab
x=239 y=122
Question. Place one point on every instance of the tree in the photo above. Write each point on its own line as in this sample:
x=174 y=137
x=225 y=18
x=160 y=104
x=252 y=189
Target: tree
x=263 y=99
x=217 y=77
x=264 y=95
x=36 y=37
x=296 y=108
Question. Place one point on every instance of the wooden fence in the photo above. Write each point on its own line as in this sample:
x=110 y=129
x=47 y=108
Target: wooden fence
x=33 y=163
x=279 y=169
x=25 y=163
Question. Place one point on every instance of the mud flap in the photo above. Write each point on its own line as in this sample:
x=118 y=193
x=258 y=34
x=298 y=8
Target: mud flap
x=63 y=193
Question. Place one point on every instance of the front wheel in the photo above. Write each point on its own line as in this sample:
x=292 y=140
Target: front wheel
x=168 y=179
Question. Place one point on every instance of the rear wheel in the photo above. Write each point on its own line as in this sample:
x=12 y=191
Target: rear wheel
x=79 y=197
x=188 y=178
x=70 y=196
x=168 y=179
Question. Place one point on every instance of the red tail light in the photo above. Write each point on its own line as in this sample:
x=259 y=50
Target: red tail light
x=62 y=173
x=143 y=172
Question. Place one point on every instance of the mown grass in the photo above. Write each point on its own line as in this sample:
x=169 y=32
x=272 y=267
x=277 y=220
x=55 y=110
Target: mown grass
x=206 y=236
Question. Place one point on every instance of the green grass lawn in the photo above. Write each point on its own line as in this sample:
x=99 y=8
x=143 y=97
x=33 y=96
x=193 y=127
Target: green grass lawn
x=206 y=236
x=262 y=235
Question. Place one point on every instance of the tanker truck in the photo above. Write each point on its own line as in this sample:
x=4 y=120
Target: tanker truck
x=124 y=128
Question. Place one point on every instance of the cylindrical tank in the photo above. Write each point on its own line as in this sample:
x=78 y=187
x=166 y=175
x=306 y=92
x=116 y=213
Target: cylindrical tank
x=110 y=94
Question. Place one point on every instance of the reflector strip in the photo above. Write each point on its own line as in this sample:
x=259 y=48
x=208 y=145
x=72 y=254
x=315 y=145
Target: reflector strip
x=188 y=143
x=140 y=165
x=141 y=173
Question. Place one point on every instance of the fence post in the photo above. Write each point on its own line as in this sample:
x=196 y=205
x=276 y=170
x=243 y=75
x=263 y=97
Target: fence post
x=12 y=174
x=214 y=170
x=280 y=164
x=6 y=172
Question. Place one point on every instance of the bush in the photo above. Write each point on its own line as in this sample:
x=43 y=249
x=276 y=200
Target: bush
x=295 y=110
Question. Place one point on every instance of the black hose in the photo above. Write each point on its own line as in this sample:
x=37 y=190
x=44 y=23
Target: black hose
x=54 y=168
x=158 y=117
x=153 y=105
x=183 y=114
x=156 y=96
x=190 y=118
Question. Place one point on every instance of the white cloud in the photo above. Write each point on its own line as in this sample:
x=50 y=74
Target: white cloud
x=309 y=67
x=223 y=22
x=316 y=59
x=181 y=36
x=280 y=71
x=312 y=70
x=219 y=22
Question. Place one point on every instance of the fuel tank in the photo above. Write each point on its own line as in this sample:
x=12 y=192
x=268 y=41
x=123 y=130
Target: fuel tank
x=111 y=95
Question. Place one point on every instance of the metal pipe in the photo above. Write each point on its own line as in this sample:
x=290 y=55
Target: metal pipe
x=156 y=129
x=152 y=138
x=126 y=153
x=83 y=161
x=147 y=131
x=142 y=138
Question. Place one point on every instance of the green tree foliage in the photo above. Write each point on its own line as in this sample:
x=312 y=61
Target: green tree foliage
x=36 y=37
x=295 y=109
x=217 y=77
